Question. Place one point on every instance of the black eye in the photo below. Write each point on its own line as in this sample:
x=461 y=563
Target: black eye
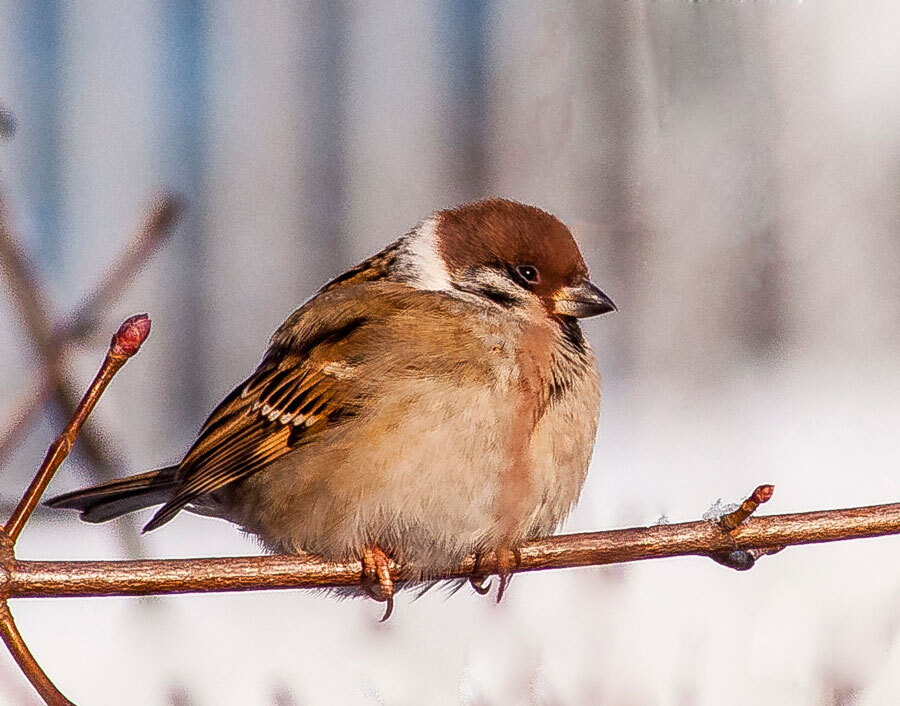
x=528 y=274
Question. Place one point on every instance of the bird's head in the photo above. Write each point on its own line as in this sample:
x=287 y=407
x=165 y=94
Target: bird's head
x=510 y=254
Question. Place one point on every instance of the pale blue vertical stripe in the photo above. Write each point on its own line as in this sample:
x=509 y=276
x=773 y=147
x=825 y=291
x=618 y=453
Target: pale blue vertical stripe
x=182 y=122
x=322 y=93
x=464 y=26
x=40 y=41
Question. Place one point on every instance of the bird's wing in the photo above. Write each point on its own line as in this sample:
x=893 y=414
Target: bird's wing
x=325 y=363
x=301 y=388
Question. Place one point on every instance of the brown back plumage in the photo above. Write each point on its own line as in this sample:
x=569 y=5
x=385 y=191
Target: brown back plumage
x=318 y=372
x=319 y=369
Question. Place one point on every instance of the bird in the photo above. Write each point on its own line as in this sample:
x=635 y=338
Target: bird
x=437 y=400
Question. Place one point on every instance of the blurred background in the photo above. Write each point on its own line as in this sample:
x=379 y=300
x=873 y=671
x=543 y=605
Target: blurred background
x=732 y=174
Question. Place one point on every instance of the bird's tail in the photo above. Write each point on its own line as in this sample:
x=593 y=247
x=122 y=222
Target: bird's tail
x=107 y=501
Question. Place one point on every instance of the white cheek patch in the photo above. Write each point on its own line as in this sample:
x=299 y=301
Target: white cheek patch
x=420 y=260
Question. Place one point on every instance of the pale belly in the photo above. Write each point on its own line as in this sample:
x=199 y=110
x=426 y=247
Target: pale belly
x=426 y=493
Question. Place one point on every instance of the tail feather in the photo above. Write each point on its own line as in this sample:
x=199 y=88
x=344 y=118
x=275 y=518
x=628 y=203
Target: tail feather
x=119 y=497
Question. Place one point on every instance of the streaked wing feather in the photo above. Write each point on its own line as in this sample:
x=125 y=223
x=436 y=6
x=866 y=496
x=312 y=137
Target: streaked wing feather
x=284 y=404
x=312 y=378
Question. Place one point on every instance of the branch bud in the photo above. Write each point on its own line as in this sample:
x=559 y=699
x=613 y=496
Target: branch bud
x=131 y=334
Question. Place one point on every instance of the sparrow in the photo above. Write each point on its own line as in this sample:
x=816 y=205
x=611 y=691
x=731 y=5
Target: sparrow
x=437 y=400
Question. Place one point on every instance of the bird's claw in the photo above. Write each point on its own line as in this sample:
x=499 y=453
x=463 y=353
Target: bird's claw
x=507 y=560
x=481 y=584
x=377 y=582
x=479 y=581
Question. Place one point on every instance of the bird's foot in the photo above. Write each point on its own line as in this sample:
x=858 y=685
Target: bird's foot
x=376 y=580
x=507 y=560
x=478 y=580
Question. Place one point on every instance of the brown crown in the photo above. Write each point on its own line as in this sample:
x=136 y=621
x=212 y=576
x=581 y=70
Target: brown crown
x=500 y=232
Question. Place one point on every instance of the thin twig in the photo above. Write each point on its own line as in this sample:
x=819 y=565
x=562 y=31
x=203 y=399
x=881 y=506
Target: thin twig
x=733 y=520
x=13 y=639
x=26 y=661
x=28 y=294
x=744 y=559
x=23 y=411
x=35 y=314
x=125 y=343
x=44 y=579
x=157 y=226
x=153 y=232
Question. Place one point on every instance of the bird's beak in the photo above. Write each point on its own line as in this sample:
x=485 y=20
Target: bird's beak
x=582 y=300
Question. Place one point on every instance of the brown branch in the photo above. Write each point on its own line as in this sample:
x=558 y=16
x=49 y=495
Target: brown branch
x=744 y=559
x=156 y=228
x=735 y=519
x=45 y=579
x=29 y=665
x=41 y=579
x=125 y=343
x=13 y=638
x=52 y=340
x=734 y=534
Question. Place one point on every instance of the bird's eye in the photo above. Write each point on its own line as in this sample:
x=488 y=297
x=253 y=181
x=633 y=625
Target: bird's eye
x=528 y=274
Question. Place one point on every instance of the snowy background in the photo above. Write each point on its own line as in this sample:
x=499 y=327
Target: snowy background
x=732 y=172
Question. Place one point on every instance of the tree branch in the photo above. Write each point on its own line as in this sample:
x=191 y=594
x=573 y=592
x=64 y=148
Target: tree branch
x=736 y=539
x=124 y=344
x=157 y=226
x=48 y=579
x=52 y=340
x=29 y=665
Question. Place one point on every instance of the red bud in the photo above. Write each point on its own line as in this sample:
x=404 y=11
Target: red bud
x=130 y=336
x=763 y=493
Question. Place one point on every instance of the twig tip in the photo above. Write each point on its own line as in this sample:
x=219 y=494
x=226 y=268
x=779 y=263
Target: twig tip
x=734 y=519
x=763 y=493
x=166 y=212
x=131 y=334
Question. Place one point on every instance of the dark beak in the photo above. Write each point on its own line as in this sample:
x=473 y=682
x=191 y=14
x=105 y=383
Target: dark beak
x=582 y=300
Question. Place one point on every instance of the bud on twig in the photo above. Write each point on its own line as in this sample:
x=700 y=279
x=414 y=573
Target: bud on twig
x=131 y=334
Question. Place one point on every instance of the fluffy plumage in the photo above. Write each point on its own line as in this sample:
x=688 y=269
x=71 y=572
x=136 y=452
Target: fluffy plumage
x=435 y=400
